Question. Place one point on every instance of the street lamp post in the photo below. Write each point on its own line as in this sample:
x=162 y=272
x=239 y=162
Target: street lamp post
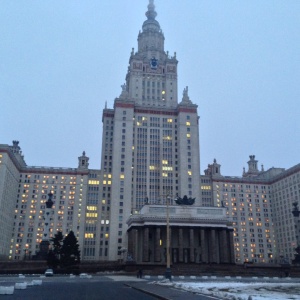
x=168 y=274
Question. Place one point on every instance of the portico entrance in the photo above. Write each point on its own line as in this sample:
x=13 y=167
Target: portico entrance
x=197 y=235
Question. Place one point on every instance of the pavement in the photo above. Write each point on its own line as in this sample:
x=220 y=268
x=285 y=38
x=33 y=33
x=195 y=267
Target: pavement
x=166 y=292
x=169 y=293
x=146 y=285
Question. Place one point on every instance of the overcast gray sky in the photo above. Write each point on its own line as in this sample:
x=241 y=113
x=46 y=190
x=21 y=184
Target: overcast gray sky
x=61 y=60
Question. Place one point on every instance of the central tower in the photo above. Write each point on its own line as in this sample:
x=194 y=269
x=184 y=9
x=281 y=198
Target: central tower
x=150 y=141
x=151 y=79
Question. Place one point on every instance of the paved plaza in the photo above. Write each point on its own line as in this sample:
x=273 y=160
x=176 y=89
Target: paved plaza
x=120 y=286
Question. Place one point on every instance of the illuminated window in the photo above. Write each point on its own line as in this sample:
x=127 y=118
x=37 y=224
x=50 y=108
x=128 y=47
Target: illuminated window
x=104 y=181
x=103 y=201
x=205 y=187
x=91 y=207
x=170 y=120
x=89 y=235
x=93 y=181
x=106 y=235
x=91 y=215
x=164 y=162
x=152 y=168
x=190 y=173
x=188 y=135
x=122 y=176
x=167 y=168
x=188 y=123
x=163 y=92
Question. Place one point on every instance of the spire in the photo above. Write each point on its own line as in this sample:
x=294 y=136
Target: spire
x=151 y=24
x=151 y=13
x=124 y=94
x=185 y=97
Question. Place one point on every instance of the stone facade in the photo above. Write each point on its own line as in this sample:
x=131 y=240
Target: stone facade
x=10 y=162
x=197 y=235
x=260 y=204
x=23 y=191
x=150 y=152
x=150 y=141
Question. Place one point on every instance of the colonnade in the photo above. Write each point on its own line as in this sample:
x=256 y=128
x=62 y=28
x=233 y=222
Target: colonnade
x=147 y=244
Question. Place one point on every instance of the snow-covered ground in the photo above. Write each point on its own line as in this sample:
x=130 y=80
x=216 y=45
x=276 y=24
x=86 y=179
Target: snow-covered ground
x=241 y=290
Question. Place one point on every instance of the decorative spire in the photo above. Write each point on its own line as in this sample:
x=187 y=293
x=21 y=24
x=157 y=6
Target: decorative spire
x=151 y=13
x=186 y=98
x=124 y=94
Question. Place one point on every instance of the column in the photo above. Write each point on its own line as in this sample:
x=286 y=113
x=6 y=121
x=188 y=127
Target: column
x=213 y=248
x=130 y=249
x=192 y=246
x=180 y=244
x=157 y=245
x=146 y=245
x=217 y=246
x=232 y=256
x=224 y=251
x=140 y=243
x=170 y=229
x=135 y=254
x=204 y=244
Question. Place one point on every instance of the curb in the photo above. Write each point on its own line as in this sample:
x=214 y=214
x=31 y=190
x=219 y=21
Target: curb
x=147 y=292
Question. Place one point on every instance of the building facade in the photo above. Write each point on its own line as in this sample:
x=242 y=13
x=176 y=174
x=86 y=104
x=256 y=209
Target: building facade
x=150 y=141
x=260 y=203
x=24 y=190
x=150 y=153
x=10 y=162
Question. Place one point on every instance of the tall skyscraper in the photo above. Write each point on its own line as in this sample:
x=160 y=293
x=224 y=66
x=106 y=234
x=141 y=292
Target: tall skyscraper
x=150 y=153
x=150 y=145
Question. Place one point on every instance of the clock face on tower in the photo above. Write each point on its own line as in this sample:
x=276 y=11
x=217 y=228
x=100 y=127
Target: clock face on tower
x=153 y=63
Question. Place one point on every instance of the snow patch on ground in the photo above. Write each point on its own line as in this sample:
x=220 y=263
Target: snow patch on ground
x=241 y=291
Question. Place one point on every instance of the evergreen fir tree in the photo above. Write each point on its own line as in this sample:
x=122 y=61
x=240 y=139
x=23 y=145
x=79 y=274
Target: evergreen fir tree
x=57 y=243
x=70 y=254
x=53 y=258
